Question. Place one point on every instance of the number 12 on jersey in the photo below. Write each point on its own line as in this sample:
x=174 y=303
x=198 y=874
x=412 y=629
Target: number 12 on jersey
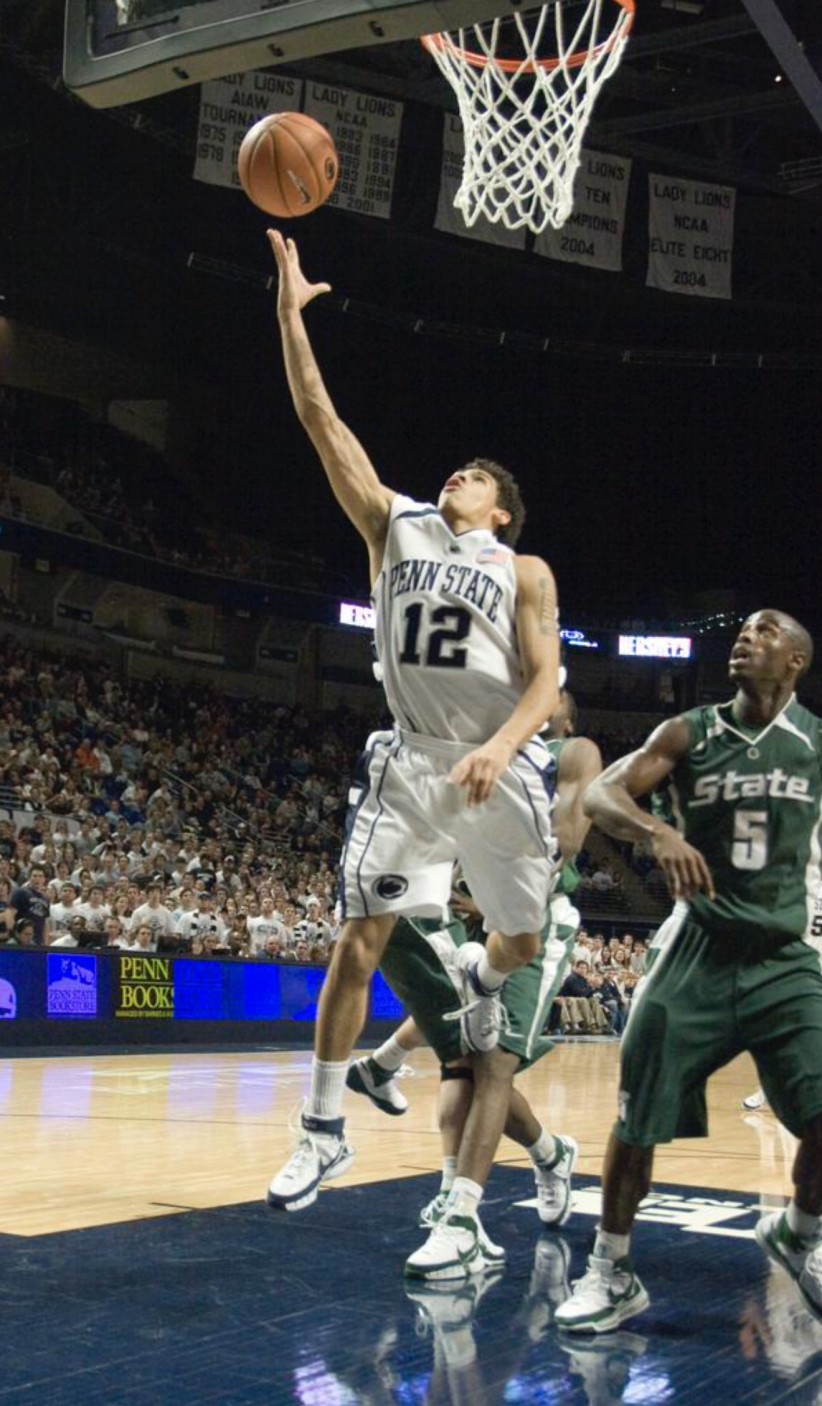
x=433 y=641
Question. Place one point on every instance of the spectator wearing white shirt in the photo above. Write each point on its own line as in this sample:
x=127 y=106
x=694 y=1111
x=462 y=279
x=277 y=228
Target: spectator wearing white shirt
x=268 y=924
x=95 y=910
x=61 y=913
x=154 y=914
x=113 y=931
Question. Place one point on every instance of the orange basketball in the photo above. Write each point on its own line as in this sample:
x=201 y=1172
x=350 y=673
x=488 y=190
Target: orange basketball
x=288 y=164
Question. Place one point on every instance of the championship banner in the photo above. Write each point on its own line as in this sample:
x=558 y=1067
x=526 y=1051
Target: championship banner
x=691 y=236
x=592 y=234
x=228 y=107
x=449 y=219
x=366 y=130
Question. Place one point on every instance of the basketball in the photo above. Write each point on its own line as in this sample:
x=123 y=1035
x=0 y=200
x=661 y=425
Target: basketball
x=288 y=164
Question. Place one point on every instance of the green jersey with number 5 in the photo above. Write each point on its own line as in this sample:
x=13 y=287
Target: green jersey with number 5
x=750 y=801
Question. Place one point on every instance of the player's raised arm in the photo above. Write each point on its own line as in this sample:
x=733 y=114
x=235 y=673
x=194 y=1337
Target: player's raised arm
x=610 y=802
x=538 y=643
x=353 y=478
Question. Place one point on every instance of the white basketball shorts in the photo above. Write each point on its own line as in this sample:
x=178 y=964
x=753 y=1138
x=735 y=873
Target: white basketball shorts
x=408 y=825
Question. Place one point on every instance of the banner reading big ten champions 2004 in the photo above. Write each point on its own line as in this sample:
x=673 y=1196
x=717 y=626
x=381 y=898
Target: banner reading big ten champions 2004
x=365 y=128
x=690 y=237
x=594 y=230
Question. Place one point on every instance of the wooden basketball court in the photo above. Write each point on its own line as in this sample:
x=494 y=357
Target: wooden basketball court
x=102 y=1139
x=141 y=1265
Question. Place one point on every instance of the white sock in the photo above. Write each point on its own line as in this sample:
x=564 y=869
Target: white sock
x=545 y=1151
x=390 y=1055
x=327 y=1085
x=449 y=1171
x=608 y=1246
x=465 y=1196
x=488 y=976
x=802 y=1223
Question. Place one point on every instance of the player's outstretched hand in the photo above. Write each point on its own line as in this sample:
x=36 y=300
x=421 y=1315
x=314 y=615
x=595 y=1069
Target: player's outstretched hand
x=479 y=771
x=294 y=288
x=683 y=866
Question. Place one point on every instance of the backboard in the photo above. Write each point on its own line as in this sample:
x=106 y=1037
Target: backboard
x=120 y=51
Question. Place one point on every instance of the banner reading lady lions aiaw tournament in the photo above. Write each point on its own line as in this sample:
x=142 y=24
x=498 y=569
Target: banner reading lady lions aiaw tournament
x=228 y=107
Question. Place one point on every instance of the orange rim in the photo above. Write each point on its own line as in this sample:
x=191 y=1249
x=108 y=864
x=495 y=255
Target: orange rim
x=442 y=42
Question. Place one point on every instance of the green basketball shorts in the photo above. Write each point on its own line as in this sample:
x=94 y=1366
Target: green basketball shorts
x=702 y=1001
x=419 y=967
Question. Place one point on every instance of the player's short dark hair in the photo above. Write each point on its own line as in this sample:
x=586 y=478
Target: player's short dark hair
x=508 y=497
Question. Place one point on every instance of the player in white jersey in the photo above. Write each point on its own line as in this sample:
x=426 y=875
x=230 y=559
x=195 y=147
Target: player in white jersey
x=469 y=647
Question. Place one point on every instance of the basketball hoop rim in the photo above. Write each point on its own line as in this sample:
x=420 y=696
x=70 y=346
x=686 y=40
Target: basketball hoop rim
x=443 y=43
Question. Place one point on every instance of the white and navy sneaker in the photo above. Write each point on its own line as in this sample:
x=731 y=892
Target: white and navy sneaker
x=321 y=1155
x=481 y=1017
x=604 y=1297
x=801 y=1258
x=365 y=1077
x=755 y=1101
x=554 y=1197
x=456 y=1247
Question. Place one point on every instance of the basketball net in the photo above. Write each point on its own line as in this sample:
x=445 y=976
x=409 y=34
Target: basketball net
x=524 y=118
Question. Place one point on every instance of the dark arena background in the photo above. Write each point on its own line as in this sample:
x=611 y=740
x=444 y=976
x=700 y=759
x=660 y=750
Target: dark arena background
x=186 y=681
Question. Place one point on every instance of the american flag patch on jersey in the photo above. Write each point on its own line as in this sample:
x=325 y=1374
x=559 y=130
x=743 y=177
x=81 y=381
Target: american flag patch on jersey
x=492 y=556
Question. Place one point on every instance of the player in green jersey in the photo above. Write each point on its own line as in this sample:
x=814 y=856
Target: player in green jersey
x=733 y=968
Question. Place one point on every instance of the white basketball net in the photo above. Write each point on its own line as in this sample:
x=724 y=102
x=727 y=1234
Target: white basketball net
x=524 y=119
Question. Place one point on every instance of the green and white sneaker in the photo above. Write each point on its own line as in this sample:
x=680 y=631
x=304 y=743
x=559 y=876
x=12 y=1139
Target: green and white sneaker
x=366 y=1077
x=456 y=1247
x=433 y=1213
x=433 y=1210
x=554 y=1199
x=801 y=1258
x=605 y=1296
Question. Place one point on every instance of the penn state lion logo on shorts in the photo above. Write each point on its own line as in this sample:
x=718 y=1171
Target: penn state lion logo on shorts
x=390 y=887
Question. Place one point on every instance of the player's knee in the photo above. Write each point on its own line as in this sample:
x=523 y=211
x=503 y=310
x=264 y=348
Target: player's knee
x=357 y=952
x=456 y=1072
x=497 y=1067
x=521 y=948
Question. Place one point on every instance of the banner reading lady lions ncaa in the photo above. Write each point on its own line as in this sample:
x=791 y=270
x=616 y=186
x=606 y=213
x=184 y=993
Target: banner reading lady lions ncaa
x=366 y=130
x=594 y=230
x=690 y=237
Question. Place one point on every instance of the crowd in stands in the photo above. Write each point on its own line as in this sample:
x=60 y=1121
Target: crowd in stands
x=216 y=822
x=596 y=995
x=146 y=815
